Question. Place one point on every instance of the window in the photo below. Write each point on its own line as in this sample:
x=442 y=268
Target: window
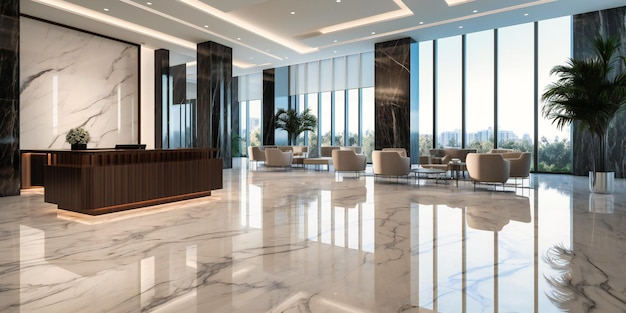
x=425 y=97
x=449 y=79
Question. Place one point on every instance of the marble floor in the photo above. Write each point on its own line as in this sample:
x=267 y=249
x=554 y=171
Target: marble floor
x=313 y=241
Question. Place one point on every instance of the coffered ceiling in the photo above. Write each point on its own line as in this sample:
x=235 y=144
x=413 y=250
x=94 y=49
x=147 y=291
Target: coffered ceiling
x=274 y=33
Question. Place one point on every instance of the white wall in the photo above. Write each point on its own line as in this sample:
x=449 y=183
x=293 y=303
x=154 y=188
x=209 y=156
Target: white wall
x=147 y=97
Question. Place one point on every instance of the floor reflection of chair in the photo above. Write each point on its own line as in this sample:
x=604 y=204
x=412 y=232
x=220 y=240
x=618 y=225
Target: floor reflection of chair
x=348 y=197
x=495 y=217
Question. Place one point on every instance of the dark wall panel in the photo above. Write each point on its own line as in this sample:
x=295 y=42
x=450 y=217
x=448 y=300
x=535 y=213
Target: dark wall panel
x=236 y=151
x=392 y=79
x=214 y=98
x=268 y=106
x=587 y=27
x=9 y=98
x=161 y=96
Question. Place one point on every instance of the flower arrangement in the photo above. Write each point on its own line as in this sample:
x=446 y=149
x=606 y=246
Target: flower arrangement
x=77 y=135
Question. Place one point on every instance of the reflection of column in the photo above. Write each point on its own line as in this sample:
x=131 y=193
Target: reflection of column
x=392 y=258
x=495 y=272
x=464 y=260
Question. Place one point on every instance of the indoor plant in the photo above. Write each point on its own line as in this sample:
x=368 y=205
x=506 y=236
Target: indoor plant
x=78 y=138
x=294 y=123
x=590 y=92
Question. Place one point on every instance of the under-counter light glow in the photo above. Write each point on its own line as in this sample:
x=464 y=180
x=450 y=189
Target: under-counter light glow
x=403 y=11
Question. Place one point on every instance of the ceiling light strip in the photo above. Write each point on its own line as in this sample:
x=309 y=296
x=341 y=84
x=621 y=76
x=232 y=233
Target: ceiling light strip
x=113 y=21
x=196 y=27
x=404 y=11
x=201 y=6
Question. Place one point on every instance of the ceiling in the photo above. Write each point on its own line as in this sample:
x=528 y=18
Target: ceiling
x=274 y=33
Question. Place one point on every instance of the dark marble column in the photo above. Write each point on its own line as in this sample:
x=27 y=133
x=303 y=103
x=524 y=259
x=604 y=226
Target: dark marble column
x=179 y=83
x=234 y=119
x=268 y=107
x=161 y=97
x=215 y=67
x=587 y=27
x=9 y=98
x=392 y=81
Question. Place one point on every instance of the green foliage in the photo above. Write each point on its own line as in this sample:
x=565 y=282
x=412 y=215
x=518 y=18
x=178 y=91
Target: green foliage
x=295 y=124
x=589 y=91
x=426 y=143
x=481 y=146
x=235 y=145
x=517 y=145
x=255 y=137
x=555 y=156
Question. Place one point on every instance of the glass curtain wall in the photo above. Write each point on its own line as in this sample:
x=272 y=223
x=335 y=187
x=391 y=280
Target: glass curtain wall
x=479 y=85
x=426 y=85
x=500 y=91
x=516 y=85
x=554 y=45
x=340 y=117
x=449 y=82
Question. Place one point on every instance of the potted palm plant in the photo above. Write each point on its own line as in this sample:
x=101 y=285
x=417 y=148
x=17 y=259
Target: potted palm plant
x=294 y=123
x=590 y=92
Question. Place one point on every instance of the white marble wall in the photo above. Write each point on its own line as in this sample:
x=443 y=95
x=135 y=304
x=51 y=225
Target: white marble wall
x=70 y=78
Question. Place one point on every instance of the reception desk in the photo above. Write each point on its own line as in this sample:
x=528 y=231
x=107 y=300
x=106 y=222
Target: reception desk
x=102 y=181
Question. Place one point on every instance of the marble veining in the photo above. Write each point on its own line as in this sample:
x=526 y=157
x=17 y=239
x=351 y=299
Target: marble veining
x=69 y=79
x=311 y=241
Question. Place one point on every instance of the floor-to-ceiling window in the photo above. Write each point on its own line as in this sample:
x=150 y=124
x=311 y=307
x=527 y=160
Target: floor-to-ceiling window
x=516 y=87
x=312 y=136
x=325 y=118
x=367 y=105
x=554 y=46
x=353 y=117
x=479 y=85
x=340 y=117
x=449 y=83
x=426 y=96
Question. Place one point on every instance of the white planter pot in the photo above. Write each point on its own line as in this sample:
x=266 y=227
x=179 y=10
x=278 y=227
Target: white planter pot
x=601 y=182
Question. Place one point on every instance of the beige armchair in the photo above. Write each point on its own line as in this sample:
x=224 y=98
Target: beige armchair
x=277 y=158
x=401 y=151
x=256 y=155
x=520 y=163
x=348 y=161
x=390 y=163
x=487 y=168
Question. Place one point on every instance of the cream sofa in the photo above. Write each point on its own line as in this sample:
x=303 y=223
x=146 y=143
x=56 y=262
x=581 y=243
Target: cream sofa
x=439 y=158
x=487 y=168
x=390 y=163
x=348 y=161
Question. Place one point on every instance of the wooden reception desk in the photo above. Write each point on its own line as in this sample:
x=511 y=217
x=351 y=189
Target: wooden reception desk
x=102 y=181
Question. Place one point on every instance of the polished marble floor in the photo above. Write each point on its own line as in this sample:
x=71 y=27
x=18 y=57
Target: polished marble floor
x=313 y=241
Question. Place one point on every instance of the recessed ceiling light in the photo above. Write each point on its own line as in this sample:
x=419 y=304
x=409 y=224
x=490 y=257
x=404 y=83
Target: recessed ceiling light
x=106 y=9
x=461 y=26
x=525 y=14
x=149 y=3
x=292 y=12
x=421 y=23
x=373 y=33
x=286 y=58
x=335 y=51
x=206 y=26
x=335 y=40
x=338 y=1
x=475 y=11
x=238 y=38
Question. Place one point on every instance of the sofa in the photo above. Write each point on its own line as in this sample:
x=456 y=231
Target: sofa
x=439 y=158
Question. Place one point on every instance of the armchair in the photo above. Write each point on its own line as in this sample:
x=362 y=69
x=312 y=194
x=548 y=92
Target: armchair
x=256 y=155
x=348 y=161
x=277 y=158
x=520 y=164
x=390 y=163
x=487 y=168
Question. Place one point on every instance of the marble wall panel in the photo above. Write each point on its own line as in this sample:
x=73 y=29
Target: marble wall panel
x=269 y=91
x=215 y=67
x=9 y=98
x=161 y=97
x=70 y=78
x=392 y=93
x=587 y=27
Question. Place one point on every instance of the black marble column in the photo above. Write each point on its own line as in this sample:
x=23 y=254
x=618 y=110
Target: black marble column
x=179 y=83
x=161 y=97
x=215 y=67
x=392 y=93
x=9 y=98
x=587 y=27
x=234 y=119
x=268 y=107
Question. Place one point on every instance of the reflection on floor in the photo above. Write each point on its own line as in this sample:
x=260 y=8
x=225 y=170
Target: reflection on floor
x=311 y=241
